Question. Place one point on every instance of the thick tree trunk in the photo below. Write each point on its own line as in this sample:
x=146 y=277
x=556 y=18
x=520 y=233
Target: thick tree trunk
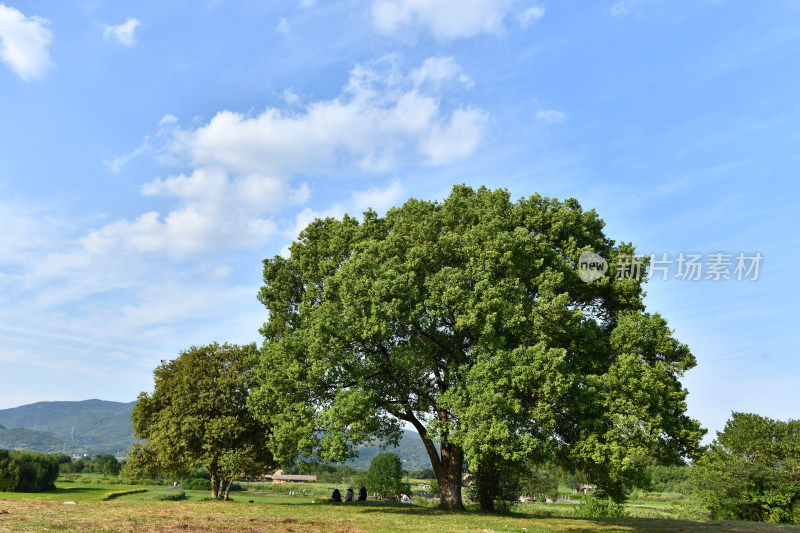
x=448 y=467
x=449 y=478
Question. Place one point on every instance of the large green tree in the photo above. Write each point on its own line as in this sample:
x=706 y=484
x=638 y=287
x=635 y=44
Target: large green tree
x=752 y=470
x=468 y=320
x=197 y=416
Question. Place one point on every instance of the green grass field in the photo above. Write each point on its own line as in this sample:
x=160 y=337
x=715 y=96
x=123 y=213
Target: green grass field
x=143 y=512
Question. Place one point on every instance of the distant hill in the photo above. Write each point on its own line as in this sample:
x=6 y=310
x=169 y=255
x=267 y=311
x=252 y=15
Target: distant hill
x=411 y=452
x=28 y=439
x=89 y=426
x=97 y=426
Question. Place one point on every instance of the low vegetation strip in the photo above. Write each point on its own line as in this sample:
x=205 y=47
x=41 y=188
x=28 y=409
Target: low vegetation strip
x=117 y=494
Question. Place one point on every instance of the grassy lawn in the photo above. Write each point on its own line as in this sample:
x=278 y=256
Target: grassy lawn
x=280 y=513
x=77 y=492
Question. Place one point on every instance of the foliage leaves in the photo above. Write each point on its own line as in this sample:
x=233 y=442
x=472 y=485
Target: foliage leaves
x=385 y=475
x=468 y=320
x=752 y=470
x=197 y=416
x=27 y=471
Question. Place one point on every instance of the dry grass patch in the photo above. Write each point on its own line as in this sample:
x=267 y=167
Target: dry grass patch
x=280 y=516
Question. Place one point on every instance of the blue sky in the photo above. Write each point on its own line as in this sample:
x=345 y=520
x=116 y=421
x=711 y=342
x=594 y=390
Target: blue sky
x=153 y=153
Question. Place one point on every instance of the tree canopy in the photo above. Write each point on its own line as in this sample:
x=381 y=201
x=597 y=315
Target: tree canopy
x=197 y=416
x=385 y=475
x=752 y=470
x=468 y=320
x=25 y=471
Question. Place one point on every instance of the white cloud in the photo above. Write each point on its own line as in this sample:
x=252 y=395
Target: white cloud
x=283 y=27
x=378 y=199
x=122 y=33
x=436 y=70
x=290 y=97
x=379 y=118
x=307 y=3
x=215 y=212
x=455 y=140
x=242 y=166
x=24 y=43
x=550 y=115
x=166 y=126
x=529 y=15
x=446 y=19
x=169 y=118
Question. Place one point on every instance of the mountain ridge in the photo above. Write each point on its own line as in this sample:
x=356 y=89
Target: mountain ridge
x=99 y=426
x=88 y=426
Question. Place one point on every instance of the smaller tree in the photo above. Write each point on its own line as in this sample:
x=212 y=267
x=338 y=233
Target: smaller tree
x=197 y=416
x=752 y=471
x=385 y=475
x=107 y=464
x=494 y=480
x=533 y=480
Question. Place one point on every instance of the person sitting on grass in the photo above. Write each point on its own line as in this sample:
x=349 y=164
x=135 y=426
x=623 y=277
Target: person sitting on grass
x=404 y=498
x=336 y=497
x=348 y=496
x=362 y=494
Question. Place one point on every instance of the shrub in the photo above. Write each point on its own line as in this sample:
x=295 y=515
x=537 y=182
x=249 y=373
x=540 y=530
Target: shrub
x=172 y=496
x=197 y=483
x=600 y=508
x=27 y=471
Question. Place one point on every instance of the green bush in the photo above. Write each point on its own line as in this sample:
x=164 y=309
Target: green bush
x=597 y=508
x=27 y=471
x=197 y=483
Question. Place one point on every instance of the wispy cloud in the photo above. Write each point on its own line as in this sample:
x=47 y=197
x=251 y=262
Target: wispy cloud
x=530 y=15
x=445 y=19
x=123 y=33
x=24 y=43
x=550 y=115
x=625 y=7
x=283 y=26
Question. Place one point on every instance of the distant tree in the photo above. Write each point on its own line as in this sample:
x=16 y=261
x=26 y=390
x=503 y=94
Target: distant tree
x=106 y=464
x=425 y=473
x=9 y=472
x=385 y=475
x=535 y=480
x=197 y=416
x=471 y=320
x=27 y=471
x=752 y=471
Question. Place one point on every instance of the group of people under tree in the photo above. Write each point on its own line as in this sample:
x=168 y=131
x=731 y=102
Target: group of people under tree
x=349 y=496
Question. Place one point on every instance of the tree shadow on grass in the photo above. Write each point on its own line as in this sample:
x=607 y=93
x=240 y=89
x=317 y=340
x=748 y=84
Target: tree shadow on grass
x=649 y=525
